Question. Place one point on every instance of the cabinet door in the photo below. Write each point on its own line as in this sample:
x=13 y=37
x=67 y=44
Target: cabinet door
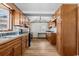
x=48 y=36
x=69 y=19
x=53 y=38
x=26 y=41
x=16 y=19
x=78 y=32
x=17 y=50
x=59 y=39
x=23 y=44
x=7 y=51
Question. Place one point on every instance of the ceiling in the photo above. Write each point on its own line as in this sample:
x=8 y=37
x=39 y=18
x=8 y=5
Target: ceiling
x=38 y=8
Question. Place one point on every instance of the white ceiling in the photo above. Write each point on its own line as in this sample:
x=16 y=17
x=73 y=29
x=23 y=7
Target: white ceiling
x=38 y=8
x=40 y=12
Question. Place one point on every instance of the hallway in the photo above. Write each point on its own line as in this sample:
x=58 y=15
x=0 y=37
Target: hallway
x=41 y=47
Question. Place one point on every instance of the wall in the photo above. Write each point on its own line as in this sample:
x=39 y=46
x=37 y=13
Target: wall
x=39 y=24
x=38 y=27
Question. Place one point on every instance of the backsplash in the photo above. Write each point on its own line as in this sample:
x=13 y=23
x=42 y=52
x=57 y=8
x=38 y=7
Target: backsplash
x=16 y=31
x=8 y=33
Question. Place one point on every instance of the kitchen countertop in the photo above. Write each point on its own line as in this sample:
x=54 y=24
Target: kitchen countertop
x=51 y=31
x=10 y=37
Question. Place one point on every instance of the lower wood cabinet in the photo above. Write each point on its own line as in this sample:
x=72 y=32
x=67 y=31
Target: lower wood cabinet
x=14 y=47
x=24 y=43
x=17 y=50
x=7 y=51
x=51 y=37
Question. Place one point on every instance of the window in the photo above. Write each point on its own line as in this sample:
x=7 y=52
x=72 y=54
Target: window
x=5 y=18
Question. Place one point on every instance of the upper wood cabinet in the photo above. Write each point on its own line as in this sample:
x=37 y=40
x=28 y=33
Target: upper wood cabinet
x=18 y=17
x=67 y=29
x=52 y=23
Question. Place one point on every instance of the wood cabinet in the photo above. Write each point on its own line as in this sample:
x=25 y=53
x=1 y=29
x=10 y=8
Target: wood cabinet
x=19 y=19
x=66 y=29
x=24 y=43
x=52 y=23
x=59 y=42
x=7 y=51
x=51 y=37
x=78 y=30
x=14 y=47
x=17 y=50
x=16 y=17
x=17 y=47
x=59 y=39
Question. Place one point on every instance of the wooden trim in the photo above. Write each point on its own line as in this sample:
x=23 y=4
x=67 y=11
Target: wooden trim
x=12 y=5
x=77 y=30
